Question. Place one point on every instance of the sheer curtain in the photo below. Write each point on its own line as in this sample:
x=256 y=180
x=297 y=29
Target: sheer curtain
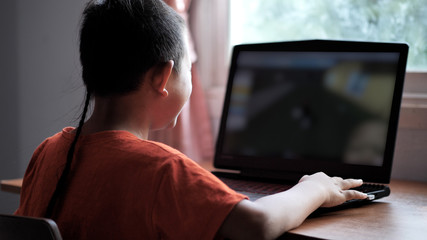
x=209 y=24
x=197 y=124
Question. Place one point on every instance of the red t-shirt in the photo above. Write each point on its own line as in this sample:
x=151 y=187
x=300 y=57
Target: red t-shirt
x=122 y=187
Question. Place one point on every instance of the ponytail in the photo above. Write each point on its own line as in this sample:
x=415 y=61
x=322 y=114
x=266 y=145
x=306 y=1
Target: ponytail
x=61 y=182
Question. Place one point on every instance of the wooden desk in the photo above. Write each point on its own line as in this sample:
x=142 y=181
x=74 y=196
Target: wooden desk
x=402 y=215
x=12 y=185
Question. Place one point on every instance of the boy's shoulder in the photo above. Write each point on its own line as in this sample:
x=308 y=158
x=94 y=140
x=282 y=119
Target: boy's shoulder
x=118 y=144
x=163 y=147
x=56 y=141
x=164 y=156
x=164 y=153
x=128 y=146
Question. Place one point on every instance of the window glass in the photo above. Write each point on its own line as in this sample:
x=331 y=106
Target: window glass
x=365 y=20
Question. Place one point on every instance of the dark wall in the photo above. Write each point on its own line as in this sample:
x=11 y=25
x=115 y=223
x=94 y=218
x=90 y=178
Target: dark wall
x=41 y=90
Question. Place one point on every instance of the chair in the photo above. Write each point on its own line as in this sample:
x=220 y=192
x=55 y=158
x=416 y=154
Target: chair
x=25 y=228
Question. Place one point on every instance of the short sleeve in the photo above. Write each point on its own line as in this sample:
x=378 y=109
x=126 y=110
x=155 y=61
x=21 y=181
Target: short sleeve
x=191 y=202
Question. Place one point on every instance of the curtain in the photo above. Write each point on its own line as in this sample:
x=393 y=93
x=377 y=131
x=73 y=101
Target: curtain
x=209 y=25
x=192 y=134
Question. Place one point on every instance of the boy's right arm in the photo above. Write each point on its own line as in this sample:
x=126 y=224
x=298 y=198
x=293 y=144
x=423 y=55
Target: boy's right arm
x=271 y=216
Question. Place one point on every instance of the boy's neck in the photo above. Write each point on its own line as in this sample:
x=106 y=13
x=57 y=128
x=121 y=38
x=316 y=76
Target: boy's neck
x=118 y=113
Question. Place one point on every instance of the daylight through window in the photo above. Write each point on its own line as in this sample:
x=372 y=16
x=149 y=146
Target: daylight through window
x=365 y=20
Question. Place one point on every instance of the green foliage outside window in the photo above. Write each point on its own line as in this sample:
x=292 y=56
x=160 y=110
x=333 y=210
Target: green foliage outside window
x=367 y=20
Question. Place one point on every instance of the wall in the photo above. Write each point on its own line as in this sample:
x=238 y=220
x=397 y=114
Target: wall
x=41 y=89
x=9 y=143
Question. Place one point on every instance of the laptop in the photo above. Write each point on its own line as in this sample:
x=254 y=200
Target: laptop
x=299 y=107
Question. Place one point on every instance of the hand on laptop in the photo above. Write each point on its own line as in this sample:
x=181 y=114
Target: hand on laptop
x=336 y=189
x=272 y=215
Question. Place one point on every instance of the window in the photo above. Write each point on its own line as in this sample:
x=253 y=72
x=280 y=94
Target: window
x=368 y=20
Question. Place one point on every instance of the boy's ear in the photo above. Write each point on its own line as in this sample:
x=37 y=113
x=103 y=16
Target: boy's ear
x=159 y=76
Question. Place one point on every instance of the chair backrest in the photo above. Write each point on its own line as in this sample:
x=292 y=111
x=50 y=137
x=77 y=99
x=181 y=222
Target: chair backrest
x=25 y=228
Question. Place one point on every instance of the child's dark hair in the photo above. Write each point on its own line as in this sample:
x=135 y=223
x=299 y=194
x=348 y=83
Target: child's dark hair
x=120 y=40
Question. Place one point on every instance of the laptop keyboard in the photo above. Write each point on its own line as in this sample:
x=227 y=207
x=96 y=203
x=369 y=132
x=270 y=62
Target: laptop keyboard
x=370 y=187
x=253 y=189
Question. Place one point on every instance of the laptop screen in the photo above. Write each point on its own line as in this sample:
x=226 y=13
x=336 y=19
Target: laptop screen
x=301 y=107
